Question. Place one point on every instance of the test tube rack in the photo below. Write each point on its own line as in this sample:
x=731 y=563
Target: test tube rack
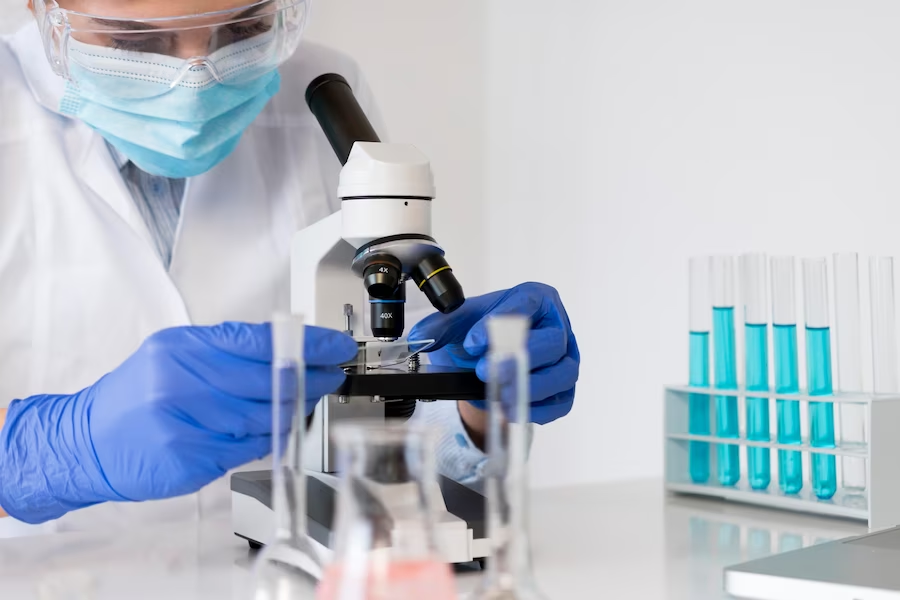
x=878 y=504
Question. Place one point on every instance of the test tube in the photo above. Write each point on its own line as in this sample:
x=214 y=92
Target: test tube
x=884 y=326
x=818 y=374
x=509 y=573
x=725 y=363
x=848 y=335
x=787 y=379
x=290 y=564
x=756 y=338
x=698 y=404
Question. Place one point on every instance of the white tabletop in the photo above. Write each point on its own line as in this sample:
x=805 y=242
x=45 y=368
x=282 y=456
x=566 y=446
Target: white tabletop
x=625 y=540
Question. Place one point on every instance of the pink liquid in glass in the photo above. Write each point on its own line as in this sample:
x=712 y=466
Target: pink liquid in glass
x=408 y=580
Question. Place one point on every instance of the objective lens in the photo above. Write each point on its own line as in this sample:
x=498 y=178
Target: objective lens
x=382 y=276
x=388 y=314
x=435 y=277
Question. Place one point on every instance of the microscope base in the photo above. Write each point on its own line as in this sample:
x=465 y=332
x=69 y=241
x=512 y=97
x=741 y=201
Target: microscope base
x=461 y=531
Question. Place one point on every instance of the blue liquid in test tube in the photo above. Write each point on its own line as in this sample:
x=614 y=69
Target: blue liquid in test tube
x=698 y=406
x=818 y=375
x=758 y=467
x=729 y=471
x=699 y=416
x=790 y=463
x=821 y=414
x=756 y=375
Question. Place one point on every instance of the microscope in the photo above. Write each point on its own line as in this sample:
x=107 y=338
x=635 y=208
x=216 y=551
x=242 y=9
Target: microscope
x=369 y=253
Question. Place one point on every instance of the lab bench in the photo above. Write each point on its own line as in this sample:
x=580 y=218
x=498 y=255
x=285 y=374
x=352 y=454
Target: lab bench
x=622 y=540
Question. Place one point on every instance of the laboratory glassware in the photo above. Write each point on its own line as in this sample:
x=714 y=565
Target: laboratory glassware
x=509 y=573
x=848 y=338
x=818 y=374
x=725 y=368
x=756 y=356
x=289 y=566
x=787 y=381
x=884 y=325
x=384 y=541
x=700 y=317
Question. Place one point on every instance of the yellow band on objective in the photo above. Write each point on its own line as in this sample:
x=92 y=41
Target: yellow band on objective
x=432 y=275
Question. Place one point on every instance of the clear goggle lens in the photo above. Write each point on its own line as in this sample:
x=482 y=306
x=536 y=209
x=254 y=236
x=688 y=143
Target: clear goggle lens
x=227 y=47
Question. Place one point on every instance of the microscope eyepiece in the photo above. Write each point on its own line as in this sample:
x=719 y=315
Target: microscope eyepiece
x=435 y=278
x=382 y=276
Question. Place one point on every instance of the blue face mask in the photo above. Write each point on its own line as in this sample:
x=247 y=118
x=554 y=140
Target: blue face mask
x=176 y=132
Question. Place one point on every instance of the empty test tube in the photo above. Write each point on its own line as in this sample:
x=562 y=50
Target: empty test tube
x=698 y=404
x=725 y=363
x=818 y=373
x=848 y=340
x=884 y=325
x=756 y=339
x=787 y=381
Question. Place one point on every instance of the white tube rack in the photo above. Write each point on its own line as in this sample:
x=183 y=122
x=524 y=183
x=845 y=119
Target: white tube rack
x=878 y=504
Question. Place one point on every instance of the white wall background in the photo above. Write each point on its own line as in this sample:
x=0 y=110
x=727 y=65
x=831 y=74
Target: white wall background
x=12 y=14
x=596 y=145
x=625 y=136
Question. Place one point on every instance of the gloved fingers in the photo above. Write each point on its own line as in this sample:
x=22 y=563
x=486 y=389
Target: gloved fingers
x=327 y=347
x=215 y=413
x=444 y=329
x=239 y=417
x=453 y=328
x=549 y=381
x=226 y=373
x=322 y=347
x=244 y=378
x=545 y=382
x=476 y=342
x=546 y=346
x=542 y=412
x=322 y=381
x=453 y=356
x=239 y=452
x=551 y=409
x=249 y=341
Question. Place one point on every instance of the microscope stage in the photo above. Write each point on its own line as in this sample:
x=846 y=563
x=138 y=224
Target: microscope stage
x=428 y=383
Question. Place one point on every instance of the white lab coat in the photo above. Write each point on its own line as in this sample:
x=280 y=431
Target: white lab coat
x=81 y=285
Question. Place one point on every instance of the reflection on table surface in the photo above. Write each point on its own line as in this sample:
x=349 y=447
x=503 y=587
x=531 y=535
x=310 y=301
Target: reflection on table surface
x=623 y=540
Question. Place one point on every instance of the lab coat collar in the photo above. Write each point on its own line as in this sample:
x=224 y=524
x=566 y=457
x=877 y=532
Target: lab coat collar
x=46 y=86
x=99 y=168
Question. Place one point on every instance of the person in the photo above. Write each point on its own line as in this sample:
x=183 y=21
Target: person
x=156 y=158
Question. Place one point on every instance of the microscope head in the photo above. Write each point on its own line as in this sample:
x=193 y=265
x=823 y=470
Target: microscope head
x=386 y=193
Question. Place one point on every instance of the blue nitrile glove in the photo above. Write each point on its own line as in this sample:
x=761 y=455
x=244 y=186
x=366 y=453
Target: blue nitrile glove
x=462 y=341
x=190 y=404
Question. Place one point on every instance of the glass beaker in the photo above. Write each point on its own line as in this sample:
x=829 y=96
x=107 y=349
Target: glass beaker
x=384 y=542
x=509 y=570
x=289 y=566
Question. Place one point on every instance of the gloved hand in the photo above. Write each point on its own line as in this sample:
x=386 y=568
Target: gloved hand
x=190 y=404
x=462 y=341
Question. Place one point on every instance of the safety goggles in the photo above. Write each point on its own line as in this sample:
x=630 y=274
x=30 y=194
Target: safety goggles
x=149 y=56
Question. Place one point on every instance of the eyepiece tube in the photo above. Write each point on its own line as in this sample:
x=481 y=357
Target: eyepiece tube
x=331 y=100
